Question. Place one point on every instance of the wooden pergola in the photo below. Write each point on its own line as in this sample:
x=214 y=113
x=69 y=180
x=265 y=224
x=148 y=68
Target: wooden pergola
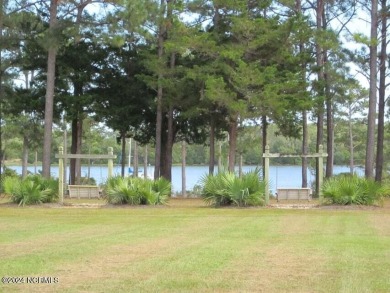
x=61 y=157
x=319 y=156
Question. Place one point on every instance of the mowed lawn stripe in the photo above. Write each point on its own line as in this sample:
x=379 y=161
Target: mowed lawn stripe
x=92 y=232
x=137 y=227
x=354 y=255
x=302 y=259
x=190 y=260
x=280 y=262
x=362 y=257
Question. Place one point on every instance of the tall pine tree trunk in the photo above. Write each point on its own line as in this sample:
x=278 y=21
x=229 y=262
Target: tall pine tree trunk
x=49 y=96
x=160 y=54
x=36 y=165
x=123 y=153
x=25 y=156
x=212 y=146
x=320 y=79
x=329 y=130
x=220 y=166
x=351 y=147
x=78 y=150
x=75 y=164
x=73 y=150
x=166 y=157
x=157 y=158
x=329 y=112
x=264 y=137
x=370 y=146
x=167 y=168
x=305 y=137
x=166 y=171
x=305 y=148
x=382 y=93
x=233 y=126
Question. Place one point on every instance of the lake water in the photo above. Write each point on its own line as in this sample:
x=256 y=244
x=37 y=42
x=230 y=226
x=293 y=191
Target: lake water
x=280 y=176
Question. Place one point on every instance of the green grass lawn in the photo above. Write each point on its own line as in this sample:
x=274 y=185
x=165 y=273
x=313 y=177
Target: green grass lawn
x=186 y=247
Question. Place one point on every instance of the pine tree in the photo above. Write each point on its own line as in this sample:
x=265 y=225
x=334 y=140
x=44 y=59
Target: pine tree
x=382 y=92
x=370 y=145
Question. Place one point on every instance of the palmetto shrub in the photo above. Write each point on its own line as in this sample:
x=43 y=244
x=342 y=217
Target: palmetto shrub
x=33 y=189
x=347 y=190
x=228 y=189
x=122 y=191
x=215 y=189
x=136 y=191
x=386 y=187
x=48 y=185
x=160 y=190
x=7 y=172
x=11 y=184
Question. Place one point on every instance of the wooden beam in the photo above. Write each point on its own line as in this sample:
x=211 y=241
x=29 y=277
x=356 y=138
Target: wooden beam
x=81 y=156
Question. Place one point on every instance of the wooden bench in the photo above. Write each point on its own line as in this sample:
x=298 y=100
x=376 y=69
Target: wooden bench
x=293 y=193
x=84 y=191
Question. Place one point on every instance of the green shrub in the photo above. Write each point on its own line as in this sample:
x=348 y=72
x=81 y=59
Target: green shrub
x=7 y=172
x=228 y=189
x=386 y=187
x=161 y=190
x=48 y=185
x=136 y=191
x=347 y=190
x=121 y=191
x=29 y=193
x=111 y=182
x=11 y=184
x=215 y=189
x=251 y=190
x=34 y=189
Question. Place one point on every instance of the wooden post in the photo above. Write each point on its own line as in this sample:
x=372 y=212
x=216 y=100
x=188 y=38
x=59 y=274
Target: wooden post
x=35 y=163
x=61 y=174
x=320 y=169
x=110 y=162
x=183 y=169
x=130 y=158
x=146 y=162
x=65 y=162
x=135 y=159
x=266 y=174
x=240 y=166
x=219 y=157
